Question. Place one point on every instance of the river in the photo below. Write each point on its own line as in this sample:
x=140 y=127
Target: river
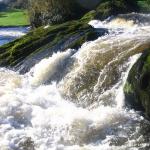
x=10 y=33
x=85 y=109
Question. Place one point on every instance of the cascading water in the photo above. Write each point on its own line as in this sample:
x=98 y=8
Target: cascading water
x=84 y=109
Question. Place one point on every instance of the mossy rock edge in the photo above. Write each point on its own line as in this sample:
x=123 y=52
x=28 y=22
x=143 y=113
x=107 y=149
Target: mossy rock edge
x=137 y=87
x=47 y=40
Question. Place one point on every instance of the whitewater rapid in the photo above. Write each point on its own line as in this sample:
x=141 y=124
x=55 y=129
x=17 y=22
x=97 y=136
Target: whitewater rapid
x=41 y=117
x=39 y=113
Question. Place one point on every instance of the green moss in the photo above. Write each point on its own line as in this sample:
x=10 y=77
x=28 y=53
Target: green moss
x=146 y=67
x=128 y=88
x=145 y=97
x=89 y=16
x=137 y=88
x=107 y=8
x=104 y=10
x=144 y=5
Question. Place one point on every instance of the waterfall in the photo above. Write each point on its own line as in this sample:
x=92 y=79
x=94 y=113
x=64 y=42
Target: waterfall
x=98 y=65
x=74 y=99
x=50 y=67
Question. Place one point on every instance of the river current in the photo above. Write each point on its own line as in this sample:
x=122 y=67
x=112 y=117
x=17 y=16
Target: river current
x=11 y=33
x=38 y=112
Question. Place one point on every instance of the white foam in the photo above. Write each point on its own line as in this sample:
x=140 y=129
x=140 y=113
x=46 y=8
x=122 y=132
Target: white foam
x=47 y=68
x=101 y=56
x=114 y=24
x=11 y=33
x=49 y=120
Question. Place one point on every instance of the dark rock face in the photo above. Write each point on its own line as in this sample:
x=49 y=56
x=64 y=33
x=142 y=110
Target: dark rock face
x=137 y=88
x=89 y=4
x=114 y=7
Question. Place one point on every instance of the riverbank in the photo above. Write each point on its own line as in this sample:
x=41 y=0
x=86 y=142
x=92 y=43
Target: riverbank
x=14 y=18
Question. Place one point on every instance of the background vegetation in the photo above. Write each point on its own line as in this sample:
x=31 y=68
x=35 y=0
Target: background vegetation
x=59 y=11
x=43 y=12
x=144 y=5
x=53 y=11
x=9 y=4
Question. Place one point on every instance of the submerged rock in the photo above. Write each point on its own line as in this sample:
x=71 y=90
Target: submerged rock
x=137 y=88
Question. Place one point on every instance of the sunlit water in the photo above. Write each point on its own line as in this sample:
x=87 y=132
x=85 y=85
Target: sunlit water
x=35 y=116
x=9 y=34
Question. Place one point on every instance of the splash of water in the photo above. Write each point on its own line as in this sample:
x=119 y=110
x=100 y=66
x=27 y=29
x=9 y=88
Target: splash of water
x=34 y=115
x=49 y=67
x=38 y=117
x=99 y=64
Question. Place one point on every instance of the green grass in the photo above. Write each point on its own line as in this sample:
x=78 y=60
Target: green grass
x=14 y=18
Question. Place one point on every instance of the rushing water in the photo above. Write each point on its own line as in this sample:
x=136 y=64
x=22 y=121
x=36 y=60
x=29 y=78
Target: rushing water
x=84 y=109
x=9 y=34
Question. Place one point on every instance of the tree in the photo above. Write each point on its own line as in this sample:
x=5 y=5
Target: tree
x=53 y=11
x=19 y=3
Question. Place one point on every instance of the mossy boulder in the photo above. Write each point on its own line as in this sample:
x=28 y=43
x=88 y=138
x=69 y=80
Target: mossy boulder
x=107 y=8
x=91 y=15
x=44 y=41
x=137 y=87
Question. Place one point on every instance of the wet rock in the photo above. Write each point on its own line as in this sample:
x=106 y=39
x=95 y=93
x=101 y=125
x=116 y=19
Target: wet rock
x=137 y=88
x=44 y=41
x=114 y=7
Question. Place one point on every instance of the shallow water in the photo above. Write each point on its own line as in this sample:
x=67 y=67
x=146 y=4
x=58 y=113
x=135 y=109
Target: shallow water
x=10 y=34
x=38 y=113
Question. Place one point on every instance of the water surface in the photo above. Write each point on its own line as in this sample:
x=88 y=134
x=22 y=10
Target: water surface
x=9 y=34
